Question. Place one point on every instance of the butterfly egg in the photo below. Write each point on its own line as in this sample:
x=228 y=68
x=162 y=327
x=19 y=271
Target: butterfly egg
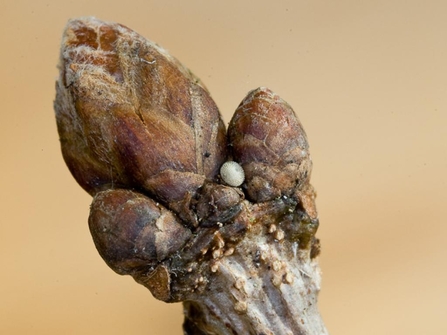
x=232 y=173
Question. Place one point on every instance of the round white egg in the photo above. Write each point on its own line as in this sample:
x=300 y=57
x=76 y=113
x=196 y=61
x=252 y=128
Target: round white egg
x=232 y=173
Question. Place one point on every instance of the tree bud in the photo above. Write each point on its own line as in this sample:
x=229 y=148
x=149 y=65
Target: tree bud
x=132 y=232
x=268 y=140
x=130 y=115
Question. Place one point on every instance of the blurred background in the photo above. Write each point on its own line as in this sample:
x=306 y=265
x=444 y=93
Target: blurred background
x=368 y=79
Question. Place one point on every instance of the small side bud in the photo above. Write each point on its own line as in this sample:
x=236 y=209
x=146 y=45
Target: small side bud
x=218 y=204
x=269 y=141
x=132 y=232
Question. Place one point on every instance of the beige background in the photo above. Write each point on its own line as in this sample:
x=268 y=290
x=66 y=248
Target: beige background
x=368 y=80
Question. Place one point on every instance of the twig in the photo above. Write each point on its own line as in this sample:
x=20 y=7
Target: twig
x=142 y=135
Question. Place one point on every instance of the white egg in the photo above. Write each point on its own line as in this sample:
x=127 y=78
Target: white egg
x=232 y=173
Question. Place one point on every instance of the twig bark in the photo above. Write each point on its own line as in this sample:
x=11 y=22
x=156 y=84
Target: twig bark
x=142 y=135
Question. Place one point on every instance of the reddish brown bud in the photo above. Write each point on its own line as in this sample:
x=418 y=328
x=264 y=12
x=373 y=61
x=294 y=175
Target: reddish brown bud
x=130 y=115
x=137 y=128
x=132 y=232
x=218 y=204
x=269 y=142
